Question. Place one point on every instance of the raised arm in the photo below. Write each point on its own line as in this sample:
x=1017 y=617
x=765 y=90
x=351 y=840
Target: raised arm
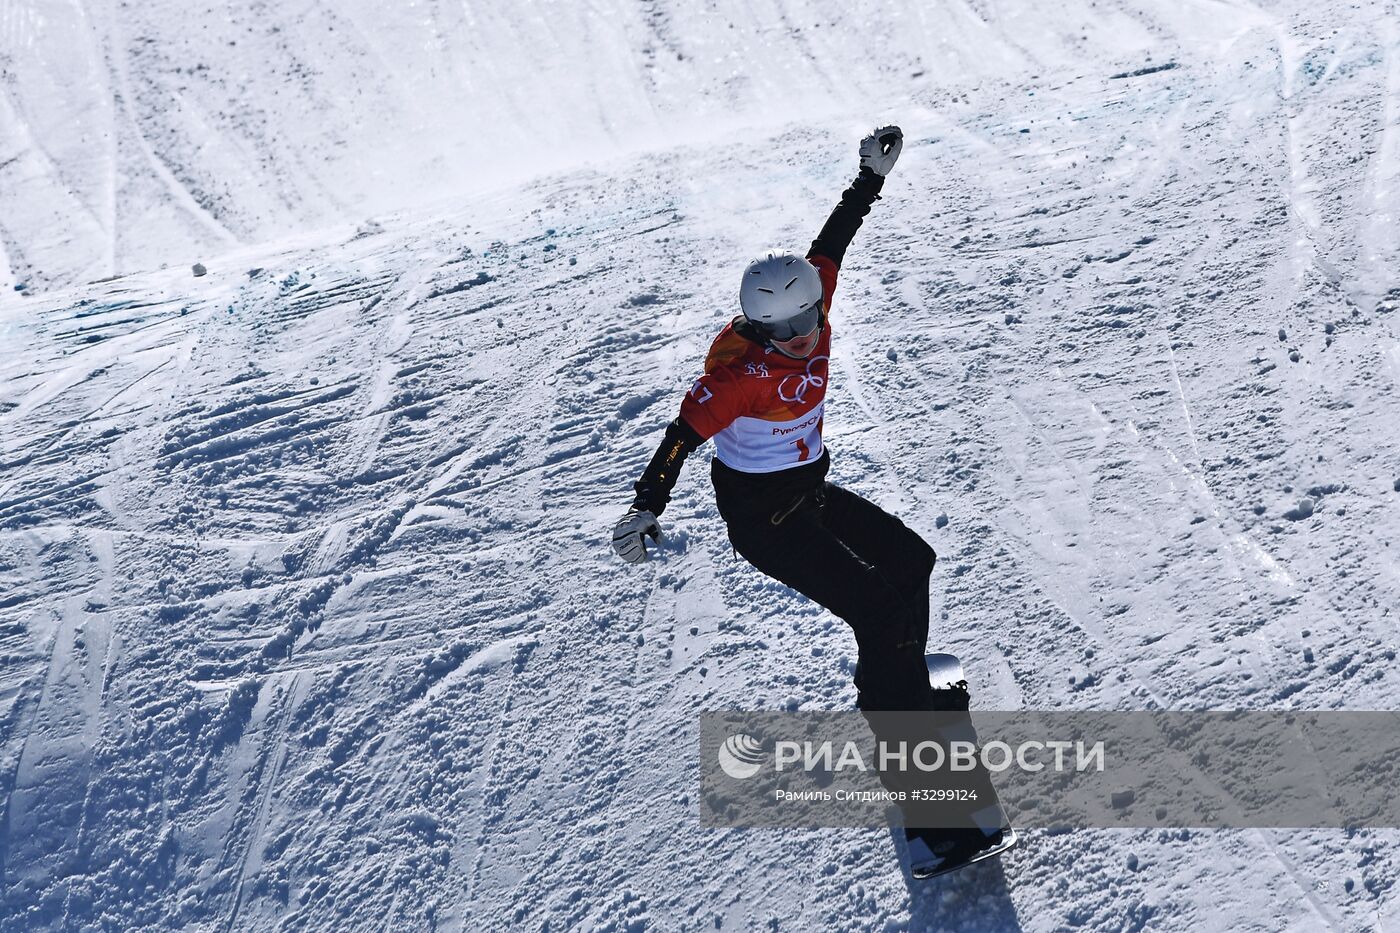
x=878 y=153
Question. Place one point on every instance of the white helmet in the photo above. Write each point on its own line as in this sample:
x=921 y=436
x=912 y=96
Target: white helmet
x=782 y=296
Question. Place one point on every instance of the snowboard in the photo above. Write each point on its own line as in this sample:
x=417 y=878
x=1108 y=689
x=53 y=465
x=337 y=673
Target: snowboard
x=945 y=672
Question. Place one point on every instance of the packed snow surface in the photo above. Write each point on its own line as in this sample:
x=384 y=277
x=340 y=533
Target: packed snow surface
x=308 y=613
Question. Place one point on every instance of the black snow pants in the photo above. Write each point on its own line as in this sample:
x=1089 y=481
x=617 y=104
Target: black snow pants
x=852 y=557
x=873 y=571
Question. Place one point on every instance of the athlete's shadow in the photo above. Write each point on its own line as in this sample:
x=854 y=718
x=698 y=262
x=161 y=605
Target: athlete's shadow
x=974 y=898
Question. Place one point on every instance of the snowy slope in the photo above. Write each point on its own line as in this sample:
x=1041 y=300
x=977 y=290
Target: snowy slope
x=307 y=610
x=138 y=135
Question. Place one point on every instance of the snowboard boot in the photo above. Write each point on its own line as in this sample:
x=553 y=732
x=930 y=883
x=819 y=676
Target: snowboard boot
x=935 y=851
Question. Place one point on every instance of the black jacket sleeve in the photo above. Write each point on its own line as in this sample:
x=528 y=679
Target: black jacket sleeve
x=654 y=488
x=845 y=220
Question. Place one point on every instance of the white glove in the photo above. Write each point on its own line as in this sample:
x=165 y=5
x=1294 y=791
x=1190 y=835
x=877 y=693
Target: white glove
x=880 y=150
x=627 y=535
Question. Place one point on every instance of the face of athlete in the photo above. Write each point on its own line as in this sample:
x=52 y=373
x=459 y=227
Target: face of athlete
x=788 y=337
x=799 y=348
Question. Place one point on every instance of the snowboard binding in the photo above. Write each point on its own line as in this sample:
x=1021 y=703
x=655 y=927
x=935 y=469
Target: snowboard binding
x=986 y=830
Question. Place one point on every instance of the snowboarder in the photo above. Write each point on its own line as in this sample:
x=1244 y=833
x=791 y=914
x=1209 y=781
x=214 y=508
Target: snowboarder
x=761 y=399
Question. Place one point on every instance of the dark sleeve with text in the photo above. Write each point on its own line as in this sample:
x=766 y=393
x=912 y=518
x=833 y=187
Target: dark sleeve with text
x=659 y=478
x=845 y=220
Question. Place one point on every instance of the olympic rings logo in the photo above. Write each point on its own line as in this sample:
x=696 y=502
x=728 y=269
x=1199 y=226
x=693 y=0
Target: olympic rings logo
x=804 y=382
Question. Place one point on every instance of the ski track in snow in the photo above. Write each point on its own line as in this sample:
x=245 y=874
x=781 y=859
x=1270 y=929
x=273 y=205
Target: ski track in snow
x=306 y=605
